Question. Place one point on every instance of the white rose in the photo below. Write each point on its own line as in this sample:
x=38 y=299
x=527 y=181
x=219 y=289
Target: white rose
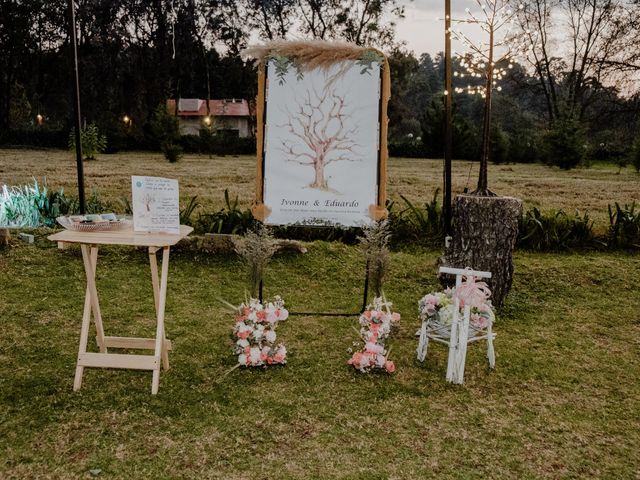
x=255 y=355
x=446 y=314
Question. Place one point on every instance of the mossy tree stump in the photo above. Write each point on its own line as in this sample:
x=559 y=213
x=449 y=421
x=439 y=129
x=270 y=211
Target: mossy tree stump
x=484 y=236
x=5 y=236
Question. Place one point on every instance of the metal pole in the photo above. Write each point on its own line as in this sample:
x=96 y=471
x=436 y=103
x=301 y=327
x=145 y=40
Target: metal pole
x=76 y=103
x=448 y=127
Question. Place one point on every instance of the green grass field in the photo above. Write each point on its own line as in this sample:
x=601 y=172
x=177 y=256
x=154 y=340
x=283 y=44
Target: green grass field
x=585 y=189
x=563 y=401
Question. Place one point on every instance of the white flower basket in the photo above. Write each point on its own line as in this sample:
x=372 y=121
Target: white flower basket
x=97 y=226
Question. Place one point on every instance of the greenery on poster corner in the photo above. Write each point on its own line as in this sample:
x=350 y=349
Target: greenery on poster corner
x=282 y=65
x=367 y=60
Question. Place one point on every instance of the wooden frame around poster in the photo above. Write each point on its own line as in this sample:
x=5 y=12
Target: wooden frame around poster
x=377 y=211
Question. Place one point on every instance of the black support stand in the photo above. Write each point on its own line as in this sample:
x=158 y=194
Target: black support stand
x=335 y=314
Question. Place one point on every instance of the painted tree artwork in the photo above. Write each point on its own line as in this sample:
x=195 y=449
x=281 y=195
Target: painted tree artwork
x=321 y=122
x=322 y=137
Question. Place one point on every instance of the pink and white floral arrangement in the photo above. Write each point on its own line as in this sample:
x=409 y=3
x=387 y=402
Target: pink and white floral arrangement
x=254 y=333
x=376 y=324
x=437 y=308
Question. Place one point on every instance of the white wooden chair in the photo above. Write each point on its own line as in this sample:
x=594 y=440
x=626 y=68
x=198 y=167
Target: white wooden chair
x=460 y=333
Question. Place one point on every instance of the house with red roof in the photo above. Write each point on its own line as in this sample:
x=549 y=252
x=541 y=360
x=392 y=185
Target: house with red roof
x=228 y=116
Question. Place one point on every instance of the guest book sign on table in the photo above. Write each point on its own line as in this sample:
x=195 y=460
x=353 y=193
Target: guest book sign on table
x=155 y=205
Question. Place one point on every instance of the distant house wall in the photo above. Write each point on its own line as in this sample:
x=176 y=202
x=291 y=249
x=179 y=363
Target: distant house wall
x=241 y=124
x=192 y=125
x=229 y=115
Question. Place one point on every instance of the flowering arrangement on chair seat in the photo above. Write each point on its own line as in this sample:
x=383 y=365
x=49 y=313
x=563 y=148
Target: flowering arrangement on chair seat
x=376 y=324
x=456 y=317
x=437 y=308
x=254 y=333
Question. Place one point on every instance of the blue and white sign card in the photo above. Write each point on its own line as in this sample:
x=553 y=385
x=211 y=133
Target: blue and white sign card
x=155 y=203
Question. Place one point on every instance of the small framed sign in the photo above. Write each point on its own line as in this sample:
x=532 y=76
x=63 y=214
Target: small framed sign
x=322 y=128
x=155 y=203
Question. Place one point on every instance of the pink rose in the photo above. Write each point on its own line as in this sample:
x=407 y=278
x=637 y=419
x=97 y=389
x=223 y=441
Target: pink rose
x=282 y=314
x=479 y=321
x=244 y=334
x=279 y=357
x=432 y=299
x=261 y=316
x=356 y=359
x=389 y=366
x=395 y=317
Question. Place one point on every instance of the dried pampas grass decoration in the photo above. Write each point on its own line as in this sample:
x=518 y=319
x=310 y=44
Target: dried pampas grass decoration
x=375 y=245
x=256 y=248
x=308 y=54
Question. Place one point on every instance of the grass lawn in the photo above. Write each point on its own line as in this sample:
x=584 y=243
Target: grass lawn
x=585 y=189
x=563 y=402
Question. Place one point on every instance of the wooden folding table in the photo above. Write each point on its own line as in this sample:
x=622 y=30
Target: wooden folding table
x=89 y=243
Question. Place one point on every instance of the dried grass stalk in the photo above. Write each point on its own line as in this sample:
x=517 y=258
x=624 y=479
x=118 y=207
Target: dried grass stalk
x=375 y=244
x=308 y=54
x=256 y=248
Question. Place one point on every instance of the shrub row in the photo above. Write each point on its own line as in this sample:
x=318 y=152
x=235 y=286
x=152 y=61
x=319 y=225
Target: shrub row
x=35 y=138
x=218 y=144
x=410 y=224
x=211 y=144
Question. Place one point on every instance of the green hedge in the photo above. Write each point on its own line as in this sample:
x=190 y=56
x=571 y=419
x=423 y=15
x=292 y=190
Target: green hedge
x=35 y=138
x=218 y=144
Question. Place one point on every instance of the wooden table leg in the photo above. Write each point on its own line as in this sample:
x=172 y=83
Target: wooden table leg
x=153 y=262
x=160 y=340
x=91 y=305
x=90 y=265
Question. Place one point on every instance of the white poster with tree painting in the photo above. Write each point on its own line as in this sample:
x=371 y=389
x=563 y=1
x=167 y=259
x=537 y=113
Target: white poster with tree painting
x=322 y=135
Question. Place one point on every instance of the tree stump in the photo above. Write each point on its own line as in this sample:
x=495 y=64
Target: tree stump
x=5 y=236
x=484 y=236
